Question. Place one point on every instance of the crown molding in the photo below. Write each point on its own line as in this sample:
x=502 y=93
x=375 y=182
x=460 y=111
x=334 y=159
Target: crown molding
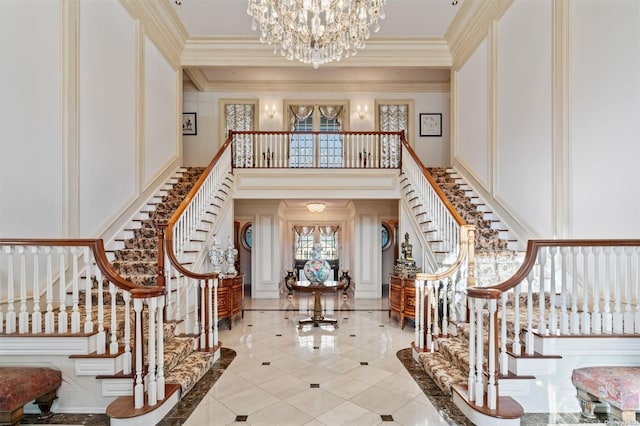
x=198 y=79
x=471 y=25
x=248 y=51
x=162 y=25
x=313 y=86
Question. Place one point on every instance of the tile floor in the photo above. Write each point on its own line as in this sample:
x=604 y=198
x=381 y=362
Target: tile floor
x=286 y=375
x=273 y=373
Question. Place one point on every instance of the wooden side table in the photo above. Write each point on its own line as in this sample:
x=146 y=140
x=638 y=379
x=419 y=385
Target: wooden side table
x=317 y=289
x=231 y=298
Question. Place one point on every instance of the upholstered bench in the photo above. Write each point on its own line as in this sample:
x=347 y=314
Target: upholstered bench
x=20 y=385
x=617 y=387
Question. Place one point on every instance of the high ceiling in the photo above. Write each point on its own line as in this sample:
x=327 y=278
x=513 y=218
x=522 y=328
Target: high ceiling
x=224 y=52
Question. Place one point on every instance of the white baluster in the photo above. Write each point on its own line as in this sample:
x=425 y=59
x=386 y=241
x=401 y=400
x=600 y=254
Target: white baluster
x=23 y=316
x=607 y=317
x=479 y=385
x=596 y=318
x=628 y=315
x=10 y=326
x=529 y=336
x=178 y=306
x=126 y=360
x=49 y=316
x=471 y=383
x=101 y=338
x=504 y=363
x=429 y=317
x=564 y=315
x=516 y=347
x=203 y=313
x=553 y=319
x=113 y=345
x=210 y=302
x=586 y=314
x=542 y=328
x=418 y=320
x=618 y=327
x=575 y=316
x=492 y=386
x=160 y=380
x=445 y=307
x=88 y=324
x=63 y=320
x=138 y=389
x=75 y=313
x=152 y=390
x=215 y=311
x=36 y=315
x=435 y=304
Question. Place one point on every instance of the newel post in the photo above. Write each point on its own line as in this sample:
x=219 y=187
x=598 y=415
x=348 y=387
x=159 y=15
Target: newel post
x=160 y=225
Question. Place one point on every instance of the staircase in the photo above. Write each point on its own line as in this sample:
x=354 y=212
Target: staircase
x=136 y=260
x=496 y=249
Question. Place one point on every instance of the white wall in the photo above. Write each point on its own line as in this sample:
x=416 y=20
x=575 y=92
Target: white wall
x=160 y=112
x=605 y=124
x=523 y=147
x=78 y=85
x=200 y=149
x=472 y=147
x=526 y=172
x=30 y=120
x=108 y=157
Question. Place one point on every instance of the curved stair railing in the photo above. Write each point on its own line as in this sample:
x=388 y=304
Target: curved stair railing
x=438 y=217
x=49 y=286
x=441 y=297
x=563 y=288
x=189 y=291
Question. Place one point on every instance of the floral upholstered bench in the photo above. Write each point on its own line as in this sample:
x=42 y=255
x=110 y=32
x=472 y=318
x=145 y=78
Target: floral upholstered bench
x=617 y=387
x=20 y=385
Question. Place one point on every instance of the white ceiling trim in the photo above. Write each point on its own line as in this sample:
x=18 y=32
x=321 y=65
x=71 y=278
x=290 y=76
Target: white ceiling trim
x=161 y=25
x=247 y=51
x=314 y=86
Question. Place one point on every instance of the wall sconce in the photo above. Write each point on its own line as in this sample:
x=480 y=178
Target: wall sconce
x=270 y=112
x=362 y=111
x=316 y=207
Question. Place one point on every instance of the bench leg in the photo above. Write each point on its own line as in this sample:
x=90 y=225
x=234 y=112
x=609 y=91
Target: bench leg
x=628 y=416
x=587 y=404
x=44 y=403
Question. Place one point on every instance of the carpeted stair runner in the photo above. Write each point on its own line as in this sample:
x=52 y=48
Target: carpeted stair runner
x=495 y=262
x=137 y=262
x=449 y=363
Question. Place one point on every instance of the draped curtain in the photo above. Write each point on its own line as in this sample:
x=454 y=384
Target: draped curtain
x=392 y=118
x=240 y=117
x=299 y=112
x=332 y=112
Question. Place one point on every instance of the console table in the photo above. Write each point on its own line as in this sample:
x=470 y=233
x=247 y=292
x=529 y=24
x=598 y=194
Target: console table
x=317 y=289
x=402 y=297
x=231 y=298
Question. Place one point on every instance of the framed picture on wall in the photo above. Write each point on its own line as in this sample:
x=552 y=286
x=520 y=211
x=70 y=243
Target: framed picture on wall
x=430 y=124
x=189 y=123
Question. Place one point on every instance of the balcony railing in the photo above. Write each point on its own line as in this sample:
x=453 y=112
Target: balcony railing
x=352 y=150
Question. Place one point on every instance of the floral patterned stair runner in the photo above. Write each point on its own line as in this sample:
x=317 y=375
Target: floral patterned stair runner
x=137 y=262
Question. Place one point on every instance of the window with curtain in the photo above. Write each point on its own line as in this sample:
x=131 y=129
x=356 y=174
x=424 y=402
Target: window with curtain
x=303 y=149
x=392 y=117
x=240 y=116
x=305 y=236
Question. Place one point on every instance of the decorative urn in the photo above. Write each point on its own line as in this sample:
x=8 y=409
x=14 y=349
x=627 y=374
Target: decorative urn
x=317 y=270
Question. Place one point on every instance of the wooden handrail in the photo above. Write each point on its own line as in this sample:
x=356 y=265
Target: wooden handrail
x=533 y=246
x=97 y=246
x=434 y=184
x=168 y=233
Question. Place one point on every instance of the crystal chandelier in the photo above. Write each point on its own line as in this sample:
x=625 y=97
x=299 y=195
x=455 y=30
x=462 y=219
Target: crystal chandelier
x=316 y=31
